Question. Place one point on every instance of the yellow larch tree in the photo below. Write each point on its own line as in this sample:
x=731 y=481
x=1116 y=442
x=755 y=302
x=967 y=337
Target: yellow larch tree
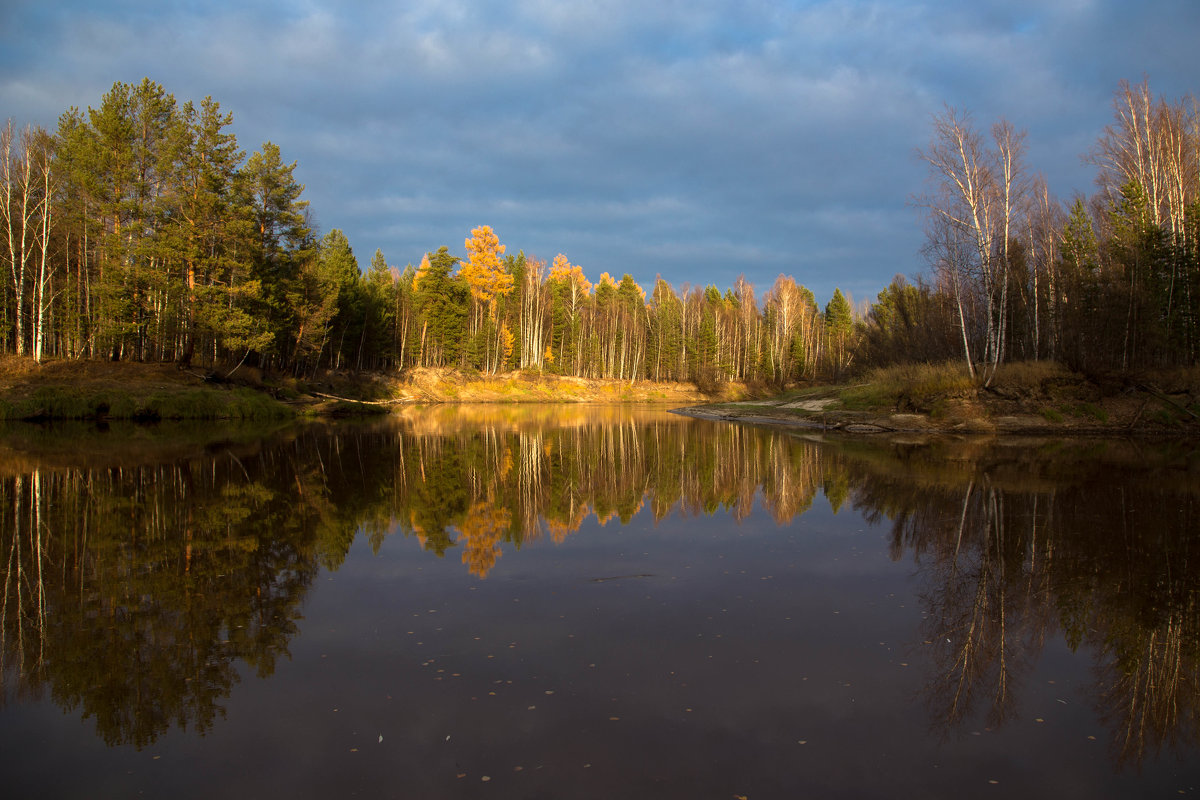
x=488 y=279
x=422 y=271
x=578 y=286
x=507 y=342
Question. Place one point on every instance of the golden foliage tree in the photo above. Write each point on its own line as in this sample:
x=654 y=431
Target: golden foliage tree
x=483 y=270
x=488 y=279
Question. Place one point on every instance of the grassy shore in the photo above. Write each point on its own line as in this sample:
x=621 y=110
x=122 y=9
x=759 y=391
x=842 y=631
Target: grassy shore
x=89 y=390
x=1040 y=398
x=74 y=390
x=1030 y=397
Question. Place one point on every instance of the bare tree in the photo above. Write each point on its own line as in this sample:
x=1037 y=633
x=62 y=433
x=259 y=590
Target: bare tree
x=1154 y=144
x=973 y=208
x=15 y=174
x=533 y=301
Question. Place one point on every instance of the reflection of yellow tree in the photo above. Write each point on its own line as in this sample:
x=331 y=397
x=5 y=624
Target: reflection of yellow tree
x=599 y=462
x=561 y=527
x=199 y=563
x=482 y=530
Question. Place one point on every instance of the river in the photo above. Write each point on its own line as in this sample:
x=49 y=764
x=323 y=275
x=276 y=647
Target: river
x=594 y=602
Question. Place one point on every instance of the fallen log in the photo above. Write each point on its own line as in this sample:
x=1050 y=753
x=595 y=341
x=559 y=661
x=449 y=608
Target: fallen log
x=392 y=402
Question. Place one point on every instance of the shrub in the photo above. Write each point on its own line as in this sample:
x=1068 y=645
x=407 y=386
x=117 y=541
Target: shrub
x=1029 y=374
x=917 y=387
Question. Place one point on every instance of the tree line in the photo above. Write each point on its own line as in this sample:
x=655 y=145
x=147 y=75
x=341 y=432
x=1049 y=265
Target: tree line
x=140 y=230
x=1110 y=281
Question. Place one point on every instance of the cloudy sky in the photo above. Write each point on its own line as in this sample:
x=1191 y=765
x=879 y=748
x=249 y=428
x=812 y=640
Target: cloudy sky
x=698 y=140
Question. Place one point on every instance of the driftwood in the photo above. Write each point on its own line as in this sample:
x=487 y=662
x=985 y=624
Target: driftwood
x=1138 y=415
x=1166 y=399
x=392 y=402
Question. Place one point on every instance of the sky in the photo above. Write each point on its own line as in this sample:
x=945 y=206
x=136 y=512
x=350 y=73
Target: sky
x=691 y=139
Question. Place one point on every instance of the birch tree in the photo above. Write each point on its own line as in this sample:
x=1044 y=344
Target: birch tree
x=972 y=208
x=1152 y=150
x=39 y=153
x=533 y=313
x=14 y=206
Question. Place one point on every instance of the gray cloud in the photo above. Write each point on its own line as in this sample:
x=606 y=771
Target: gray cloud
x=699 y=140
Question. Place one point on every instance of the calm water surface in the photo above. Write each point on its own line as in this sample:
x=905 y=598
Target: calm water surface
x=594 y=602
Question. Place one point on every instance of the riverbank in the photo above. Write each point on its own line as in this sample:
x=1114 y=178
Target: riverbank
x=1039 y=399
x=158 y=391
x=1025 y=398
x=66 y=390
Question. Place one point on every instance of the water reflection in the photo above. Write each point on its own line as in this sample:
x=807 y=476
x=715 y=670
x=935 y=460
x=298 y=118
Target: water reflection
x=138 y=582
x=130 y=593
x=475 y=478
x=1096 y=542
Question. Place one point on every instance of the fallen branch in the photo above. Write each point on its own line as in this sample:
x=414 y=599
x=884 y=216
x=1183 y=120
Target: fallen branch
x=392 y=402
x=1166 y=399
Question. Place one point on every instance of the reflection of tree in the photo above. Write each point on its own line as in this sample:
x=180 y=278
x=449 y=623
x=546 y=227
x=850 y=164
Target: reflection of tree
x=1137 y=603
x=132 y=593
x=1006 y=536
x=1094 y=540
x=439 y=496
x=482 y=528
x=981 y=622
x=1148 y=687
x=491 y=480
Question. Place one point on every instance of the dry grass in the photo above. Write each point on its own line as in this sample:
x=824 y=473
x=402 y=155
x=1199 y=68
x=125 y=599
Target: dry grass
x=19 y=371
x=1182 y=380
x=1031 y=374
x=68 y=389
x=445 y=385
x=910 y=387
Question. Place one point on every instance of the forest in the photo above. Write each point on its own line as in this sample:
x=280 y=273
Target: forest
x=140 y=230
